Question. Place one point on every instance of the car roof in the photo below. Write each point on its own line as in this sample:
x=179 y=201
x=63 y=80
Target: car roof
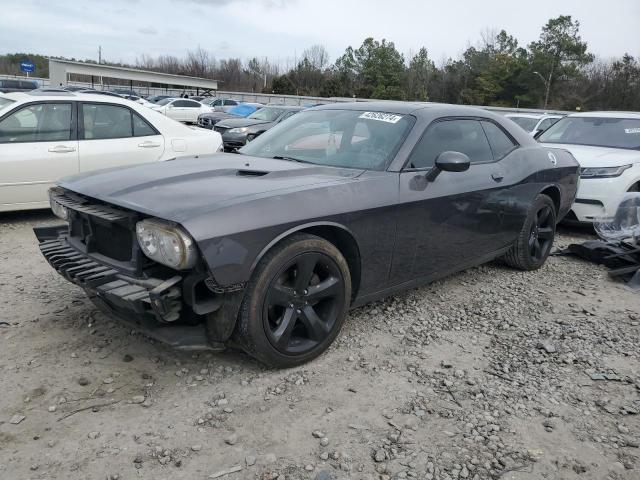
x=422 y=109
x=629 y=115
x=60 y=95
x=524 y=115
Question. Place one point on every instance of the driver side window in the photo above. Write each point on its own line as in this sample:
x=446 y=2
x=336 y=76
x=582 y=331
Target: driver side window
x=42 y=122
x=457 y=135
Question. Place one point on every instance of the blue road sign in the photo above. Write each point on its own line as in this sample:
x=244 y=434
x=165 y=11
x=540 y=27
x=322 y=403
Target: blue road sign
x=27 y=66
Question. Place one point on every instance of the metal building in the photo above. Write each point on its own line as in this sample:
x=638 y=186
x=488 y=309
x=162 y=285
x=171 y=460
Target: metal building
x=59 y=71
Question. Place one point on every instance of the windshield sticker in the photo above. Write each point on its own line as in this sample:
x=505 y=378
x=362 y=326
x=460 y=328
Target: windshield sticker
x=632 y=130
x=382 y=117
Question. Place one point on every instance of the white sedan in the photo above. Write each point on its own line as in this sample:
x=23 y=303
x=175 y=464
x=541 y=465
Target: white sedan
x=45 y=136
x=181 y=109
x=607 y=146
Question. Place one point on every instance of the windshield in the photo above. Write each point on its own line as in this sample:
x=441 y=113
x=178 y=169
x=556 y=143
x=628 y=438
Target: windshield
x=595 y=131
x=526 y=122
x=340 y=138
x=266 y=114
x=164 y=101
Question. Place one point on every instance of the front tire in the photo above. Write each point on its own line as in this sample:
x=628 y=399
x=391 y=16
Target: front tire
x=533 y=245
x=295 y=303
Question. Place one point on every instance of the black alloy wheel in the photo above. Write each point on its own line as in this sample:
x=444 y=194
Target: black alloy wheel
x=533 y=245
x=542 y=233
x=303 y=302
x=295 y=303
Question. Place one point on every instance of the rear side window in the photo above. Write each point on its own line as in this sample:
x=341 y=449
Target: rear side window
x=500 y=143
x=141 y=127
x=459 y=135
x=104 y=121
x=43 y=122
x=191 y=104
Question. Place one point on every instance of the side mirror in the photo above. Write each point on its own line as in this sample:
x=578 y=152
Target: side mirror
x=449 y=162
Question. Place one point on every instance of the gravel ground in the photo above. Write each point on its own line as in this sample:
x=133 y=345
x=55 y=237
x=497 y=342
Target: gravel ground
x=490 y=373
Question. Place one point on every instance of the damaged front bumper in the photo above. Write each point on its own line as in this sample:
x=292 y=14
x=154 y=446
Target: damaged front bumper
x=149 y=305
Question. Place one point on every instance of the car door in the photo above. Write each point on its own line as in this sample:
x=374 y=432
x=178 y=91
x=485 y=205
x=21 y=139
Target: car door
x=38 y=146
x=454 y=219
x=191 y=111
x=175 y=110
x=113 y=135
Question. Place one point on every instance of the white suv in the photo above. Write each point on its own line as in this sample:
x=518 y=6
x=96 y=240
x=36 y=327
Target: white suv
x=607 y=146
x=45 y=136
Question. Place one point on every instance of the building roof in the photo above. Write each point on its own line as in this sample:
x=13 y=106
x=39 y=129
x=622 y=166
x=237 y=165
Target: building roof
x=58 y=70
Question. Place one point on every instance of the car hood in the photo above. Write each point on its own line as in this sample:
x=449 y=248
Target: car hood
x=217 y=115
x=590 y=156
x=187 y=188
x=240 y=122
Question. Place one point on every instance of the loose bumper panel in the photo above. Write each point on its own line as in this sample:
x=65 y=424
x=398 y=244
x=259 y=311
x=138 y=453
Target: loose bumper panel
x=150 y=297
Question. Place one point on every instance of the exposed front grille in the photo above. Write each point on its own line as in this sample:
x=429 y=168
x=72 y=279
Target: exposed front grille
x=102 y=231
x=220 y=130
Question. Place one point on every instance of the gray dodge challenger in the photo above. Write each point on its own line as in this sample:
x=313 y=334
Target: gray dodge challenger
x=340 y=205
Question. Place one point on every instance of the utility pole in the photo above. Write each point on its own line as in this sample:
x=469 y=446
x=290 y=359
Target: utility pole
x=547 y=84
x=99 y=54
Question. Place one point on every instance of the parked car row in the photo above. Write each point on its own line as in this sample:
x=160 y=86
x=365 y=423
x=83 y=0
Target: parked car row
x=319 y=209
x=17 y=85
x=236 y=132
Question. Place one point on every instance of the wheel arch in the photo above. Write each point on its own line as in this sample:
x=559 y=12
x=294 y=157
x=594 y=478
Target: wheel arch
x=338 y=235
x=553 y=192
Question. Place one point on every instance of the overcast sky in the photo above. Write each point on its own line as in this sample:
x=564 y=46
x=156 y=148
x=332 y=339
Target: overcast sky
x=282 y=29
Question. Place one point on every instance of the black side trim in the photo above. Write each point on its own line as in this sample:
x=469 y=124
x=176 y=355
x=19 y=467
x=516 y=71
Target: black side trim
x=588 y=201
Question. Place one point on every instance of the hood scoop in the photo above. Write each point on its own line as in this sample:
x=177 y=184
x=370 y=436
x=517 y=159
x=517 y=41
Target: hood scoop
x=251 y=173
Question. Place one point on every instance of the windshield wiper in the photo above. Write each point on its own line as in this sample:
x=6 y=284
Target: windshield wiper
x=290 y=159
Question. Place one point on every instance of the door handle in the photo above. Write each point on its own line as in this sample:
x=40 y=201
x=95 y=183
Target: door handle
x=497 y=176
x=148 y=144
x=62 y=149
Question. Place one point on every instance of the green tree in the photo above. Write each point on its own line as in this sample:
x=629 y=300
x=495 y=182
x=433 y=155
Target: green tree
x=283 y=85
x=559 y=53
x=370 y=70
x=418 y=76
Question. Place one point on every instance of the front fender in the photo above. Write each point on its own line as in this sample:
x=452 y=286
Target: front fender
x=233 y=259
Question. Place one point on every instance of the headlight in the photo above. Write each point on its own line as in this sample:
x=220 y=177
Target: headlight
x=166 y=244
x=603 y=172
x=58 y=209
x=238 y=130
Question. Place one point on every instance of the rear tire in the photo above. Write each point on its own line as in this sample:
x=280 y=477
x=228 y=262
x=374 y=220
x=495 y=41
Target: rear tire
x=295 y=303
x=534 y=242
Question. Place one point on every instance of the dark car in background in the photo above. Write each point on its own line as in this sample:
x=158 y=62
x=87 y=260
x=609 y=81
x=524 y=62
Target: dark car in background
x=221 y=104
x=14 y=85
x=208 y=120
x=338 y=206
x=236 y=132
